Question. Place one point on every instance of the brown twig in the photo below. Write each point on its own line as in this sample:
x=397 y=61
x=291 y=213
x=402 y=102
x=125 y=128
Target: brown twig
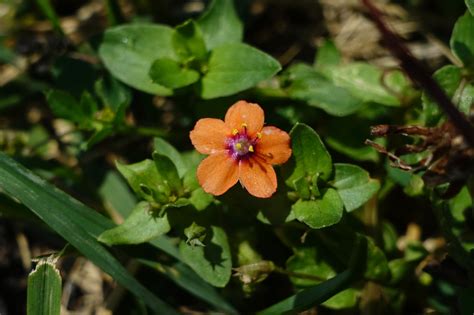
x=394 y=160
x=417 y=72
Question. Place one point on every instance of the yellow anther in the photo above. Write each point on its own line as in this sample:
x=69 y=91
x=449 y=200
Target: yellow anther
x=259 y=135
x=235 y=131
x=238 y=145
x=251 y=148
x=244 y=125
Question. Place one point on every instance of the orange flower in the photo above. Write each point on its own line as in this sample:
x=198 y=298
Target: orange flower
x=240 y=149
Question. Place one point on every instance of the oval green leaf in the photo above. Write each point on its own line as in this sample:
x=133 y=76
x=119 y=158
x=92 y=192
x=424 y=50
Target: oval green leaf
x=449 y=78
x=213 y=261
x=128 y=52
x=310 y=154
x=170 y=73
x=220 y=24
x=188 y=41
x=320 y=213
x=354 y=185
x=164 y=148
x=364 y=81
x=142 y=225
x=235 y=67
x=462 y=39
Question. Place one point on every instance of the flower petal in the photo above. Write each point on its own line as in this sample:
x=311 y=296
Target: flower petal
x=209 y=135
x=274 y=145
x=246 y=113
x=258 y=177
x=217 y=173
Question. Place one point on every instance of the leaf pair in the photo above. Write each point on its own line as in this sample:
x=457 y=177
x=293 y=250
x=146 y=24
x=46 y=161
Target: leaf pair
x=158 y=59
x=342 y=89
x=87 y=114
x=160 y=183
x=324 y=189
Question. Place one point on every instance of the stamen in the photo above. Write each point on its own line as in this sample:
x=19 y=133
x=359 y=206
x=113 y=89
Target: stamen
x=244 y=127
x=259 y=135
x=251 y=148
x=235 y=131
x=238 y=146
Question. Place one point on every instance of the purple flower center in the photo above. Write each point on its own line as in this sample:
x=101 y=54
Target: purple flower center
x=240 y=146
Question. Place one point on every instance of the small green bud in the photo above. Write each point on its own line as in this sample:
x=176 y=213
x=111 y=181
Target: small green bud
x=195 y=234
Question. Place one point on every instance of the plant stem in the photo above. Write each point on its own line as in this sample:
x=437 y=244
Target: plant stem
x=417 y=72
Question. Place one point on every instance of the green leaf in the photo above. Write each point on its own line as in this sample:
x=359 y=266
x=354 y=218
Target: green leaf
x=316 y=295
x=168 y=172
x=200 y=199
x=343 y=300
x=235 y=67
x=170 y=73
x=376 y=263
x=66 y=106
x=112 y=93
x=354 y=185
x=320 y=213
x=462 y=40
x=164 y=148
x=212 y=262
x=364 y=81
x=88 y=106
x=142 y=225
x=327 y=55
x=302 y=187
x=309 y=86
x=308 y=260
x=143 y=178
x=470 y=6
x=76 y=223
x=44 y=290
x=128 y=52
x=220 y=24
x=449 y=78
x=400 y=270
x=340 y=240
x=460 y=204
x=188 y=41
x=311 y=157
x=466 y=99
x=116 y=194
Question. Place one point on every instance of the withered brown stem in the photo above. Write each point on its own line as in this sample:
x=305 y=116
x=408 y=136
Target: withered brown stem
x=418 y=73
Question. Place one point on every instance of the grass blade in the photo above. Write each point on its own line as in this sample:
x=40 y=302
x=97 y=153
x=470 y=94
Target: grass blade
x=187 y=279
x=317 y=294
x=47 y=9
x=44 y=290
x=75 y=222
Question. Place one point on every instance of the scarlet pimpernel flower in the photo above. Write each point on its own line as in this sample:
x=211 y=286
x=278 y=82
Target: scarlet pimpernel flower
x=241 y=149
